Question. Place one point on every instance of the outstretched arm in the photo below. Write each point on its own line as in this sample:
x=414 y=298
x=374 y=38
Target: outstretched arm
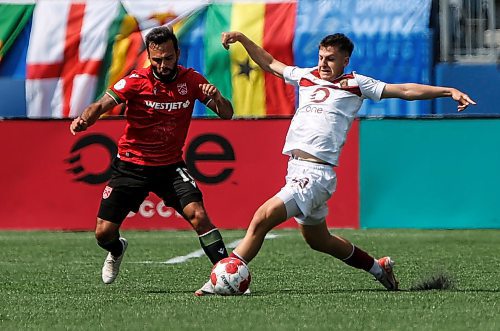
x=260 y=56
x=92 y=113
x=411 y=91
x=220 y=105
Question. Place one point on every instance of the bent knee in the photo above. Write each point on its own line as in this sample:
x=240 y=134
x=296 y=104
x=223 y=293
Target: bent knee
x=259 y=224
x=199 y=221
x=270 y=211
x=106 y=231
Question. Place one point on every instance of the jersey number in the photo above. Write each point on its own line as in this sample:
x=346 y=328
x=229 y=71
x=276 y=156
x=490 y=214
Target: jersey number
x=186 y=177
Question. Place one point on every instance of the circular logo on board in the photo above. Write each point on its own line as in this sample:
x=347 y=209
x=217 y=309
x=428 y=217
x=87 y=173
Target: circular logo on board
x=78 y=165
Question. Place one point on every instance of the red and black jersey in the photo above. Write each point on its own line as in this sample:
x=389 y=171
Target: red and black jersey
x=158 y=114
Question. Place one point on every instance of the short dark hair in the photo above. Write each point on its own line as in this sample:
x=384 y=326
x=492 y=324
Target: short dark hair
x=339 y=40
x=161 y=35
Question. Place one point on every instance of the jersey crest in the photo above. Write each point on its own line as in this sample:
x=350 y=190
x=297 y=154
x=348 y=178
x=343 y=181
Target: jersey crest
x=182 y=88
x=107 y=192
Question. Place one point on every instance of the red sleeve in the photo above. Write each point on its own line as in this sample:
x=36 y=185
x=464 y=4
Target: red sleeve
x=127 y=87
x=198 y=79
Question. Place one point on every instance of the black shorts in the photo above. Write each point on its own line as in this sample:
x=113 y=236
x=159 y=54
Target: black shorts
x=131 y=183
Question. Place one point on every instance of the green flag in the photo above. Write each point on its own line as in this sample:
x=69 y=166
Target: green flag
x=13 y=19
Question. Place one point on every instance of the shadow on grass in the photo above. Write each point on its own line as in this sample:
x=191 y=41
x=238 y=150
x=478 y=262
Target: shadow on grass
x=163 y=291
x=332 y=291
x=438 y=281
x=356 y=291
x=278 y=291
x=315 y=292
x=476 y=290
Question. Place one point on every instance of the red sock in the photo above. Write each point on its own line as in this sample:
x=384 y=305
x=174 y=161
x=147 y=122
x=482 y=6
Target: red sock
x=236 y=256
x=359 y=259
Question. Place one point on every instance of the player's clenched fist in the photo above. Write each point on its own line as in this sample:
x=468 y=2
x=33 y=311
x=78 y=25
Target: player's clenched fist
x=229 y=38
x=78 y=125
x=210 y=90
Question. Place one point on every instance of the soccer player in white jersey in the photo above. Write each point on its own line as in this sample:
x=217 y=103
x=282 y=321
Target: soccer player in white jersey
x=328 y=102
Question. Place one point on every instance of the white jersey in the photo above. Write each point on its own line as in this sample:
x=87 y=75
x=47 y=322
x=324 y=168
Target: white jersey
x=326 y=110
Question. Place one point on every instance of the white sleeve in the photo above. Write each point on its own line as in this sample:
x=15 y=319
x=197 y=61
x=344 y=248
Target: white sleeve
x=370 y=87
x=292 y=75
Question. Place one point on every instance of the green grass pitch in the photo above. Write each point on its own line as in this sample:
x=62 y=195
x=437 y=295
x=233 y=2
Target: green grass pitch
x=51 y=281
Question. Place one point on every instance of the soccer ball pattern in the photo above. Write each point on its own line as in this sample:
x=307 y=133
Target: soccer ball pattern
x=230 y=276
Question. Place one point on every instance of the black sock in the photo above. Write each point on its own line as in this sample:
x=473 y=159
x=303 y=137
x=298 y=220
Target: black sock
x=115 y=247
x=214 y=247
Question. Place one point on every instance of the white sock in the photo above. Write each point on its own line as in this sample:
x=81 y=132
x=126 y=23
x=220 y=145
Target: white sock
x=376 y=269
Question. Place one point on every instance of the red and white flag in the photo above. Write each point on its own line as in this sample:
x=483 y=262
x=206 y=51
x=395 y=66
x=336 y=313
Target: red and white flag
x=67 y=44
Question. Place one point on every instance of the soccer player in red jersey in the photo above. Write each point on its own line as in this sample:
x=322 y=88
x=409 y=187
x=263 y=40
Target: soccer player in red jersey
x=159 y=105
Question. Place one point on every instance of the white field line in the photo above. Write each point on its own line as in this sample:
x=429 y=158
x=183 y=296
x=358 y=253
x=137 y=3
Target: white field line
x=198 y=253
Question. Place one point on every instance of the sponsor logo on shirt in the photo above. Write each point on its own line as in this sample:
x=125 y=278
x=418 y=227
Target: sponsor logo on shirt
x=168 y=106
x=320 y=95
x=313 y=109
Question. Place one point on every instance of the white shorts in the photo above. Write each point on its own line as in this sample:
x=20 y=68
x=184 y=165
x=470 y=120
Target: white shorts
x=309 y=185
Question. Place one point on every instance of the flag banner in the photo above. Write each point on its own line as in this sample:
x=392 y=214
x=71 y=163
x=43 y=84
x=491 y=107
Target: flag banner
x=13 y=19
x=126 y=48
x=392 y=43
x=77 y=49
x=67 y=44
x=153 y=13
x=252 y=92
x=86 y=47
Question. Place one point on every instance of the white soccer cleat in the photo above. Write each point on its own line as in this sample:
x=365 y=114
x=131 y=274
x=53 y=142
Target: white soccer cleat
x=206 y=289
x=111 y=265
x=387 y=278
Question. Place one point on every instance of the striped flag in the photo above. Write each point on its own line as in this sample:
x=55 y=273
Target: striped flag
x=124 y=53
x=14 y=18
x=78 y=49
x=253 y=92
x=126 y=48
x=67 y=44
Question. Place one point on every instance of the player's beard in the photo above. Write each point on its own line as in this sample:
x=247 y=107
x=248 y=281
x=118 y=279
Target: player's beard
x=169 y=76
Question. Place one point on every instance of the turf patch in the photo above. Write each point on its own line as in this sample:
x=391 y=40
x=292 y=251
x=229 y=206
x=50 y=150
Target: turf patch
x=439 y=281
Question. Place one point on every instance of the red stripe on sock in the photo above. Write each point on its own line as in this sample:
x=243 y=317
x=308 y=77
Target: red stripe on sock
x=236 y=256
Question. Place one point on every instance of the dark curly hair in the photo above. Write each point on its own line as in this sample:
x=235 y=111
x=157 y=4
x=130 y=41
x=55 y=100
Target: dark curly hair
x=161 y=35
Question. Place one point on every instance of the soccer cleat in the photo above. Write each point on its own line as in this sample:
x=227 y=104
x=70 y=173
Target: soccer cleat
x=206 y=289
x=387 y=278
x=111 y=265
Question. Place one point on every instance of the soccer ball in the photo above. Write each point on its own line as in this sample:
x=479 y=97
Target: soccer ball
x=230 y=276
